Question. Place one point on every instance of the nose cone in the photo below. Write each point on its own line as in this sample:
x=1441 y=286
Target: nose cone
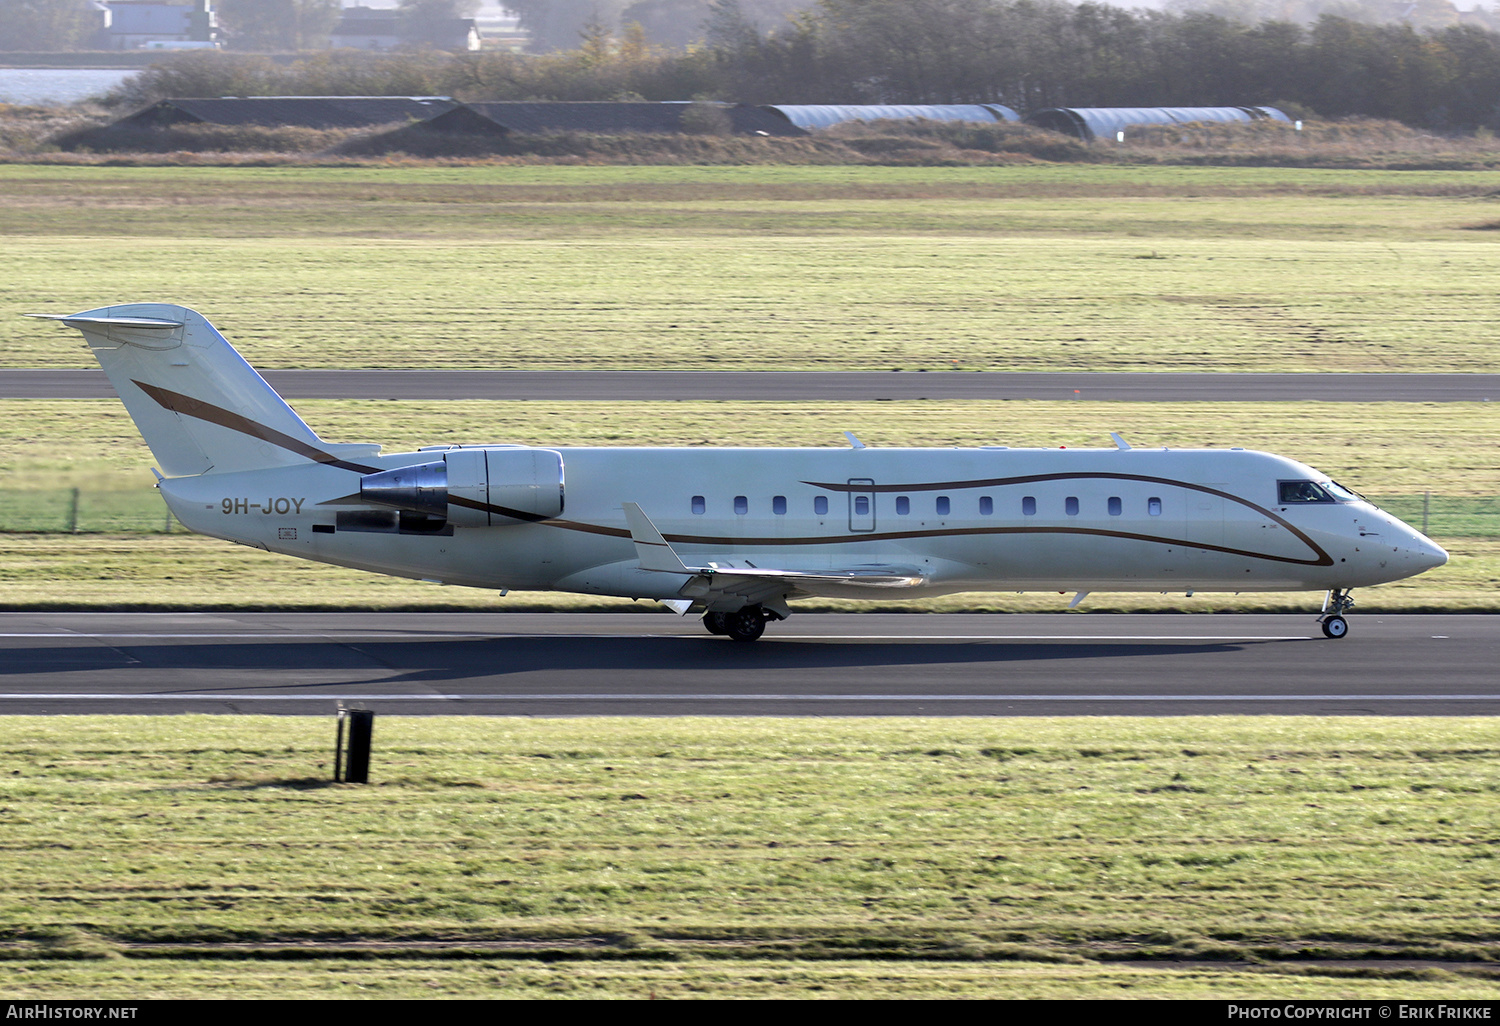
x=1426 y=554
x=1413 y=552
x=1390 y=550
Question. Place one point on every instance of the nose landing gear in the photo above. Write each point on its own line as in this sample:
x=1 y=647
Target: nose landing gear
x=1334 y=624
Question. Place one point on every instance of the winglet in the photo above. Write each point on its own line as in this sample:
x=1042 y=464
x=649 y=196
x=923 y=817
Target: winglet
x=650 y=547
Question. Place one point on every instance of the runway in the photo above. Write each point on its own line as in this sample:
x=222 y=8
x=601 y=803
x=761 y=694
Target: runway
x=810 y=387
x=547 y=664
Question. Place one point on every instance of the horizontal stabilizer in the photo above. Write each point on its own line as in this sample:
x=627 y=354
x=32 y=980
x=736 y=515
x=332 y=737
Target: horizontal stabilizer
x=75 y=320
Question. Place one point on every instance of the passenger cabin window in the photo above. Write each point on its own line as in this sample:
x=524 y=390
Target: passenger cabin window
x=1116 y=507
x=1153 y=507
x=698 y=504
x=741 y=504
x=778 y=505
x=903 y=505
x=986 y=506
x=1301 y=491
x=1028 y=506
x=861 y=505
x=820 y=505
x=943 y=505
x=1070 y=505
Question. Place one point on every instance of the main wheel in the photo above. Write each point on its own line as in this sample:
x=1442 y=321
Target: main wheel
x=716 y=623
x=746 y=624
x=1335 y=627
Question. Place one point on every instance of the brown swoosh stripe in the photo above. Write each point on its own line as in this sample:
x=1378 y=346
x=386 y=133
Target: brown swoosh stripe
x=1324 y=559
x=205 y=411
x=485 y=507
x=200 y=410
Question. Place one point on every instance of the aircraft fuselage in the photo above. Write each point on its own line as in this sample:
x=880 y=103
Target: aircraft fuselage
x=967 y=519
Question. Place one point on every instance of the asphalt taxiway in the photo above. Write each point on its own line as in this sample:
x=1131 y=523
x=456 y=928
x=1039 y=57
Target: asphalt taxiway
x=794 y=386
x=549 y=664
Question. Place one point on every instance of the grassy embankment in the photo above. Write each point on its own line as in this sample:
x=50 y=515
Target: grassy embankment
x=1189 y=857
x=80 y=136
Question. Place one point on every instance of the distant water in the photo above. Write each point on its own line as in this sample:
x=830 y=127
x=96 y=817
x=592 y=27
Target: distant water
x=57 y=85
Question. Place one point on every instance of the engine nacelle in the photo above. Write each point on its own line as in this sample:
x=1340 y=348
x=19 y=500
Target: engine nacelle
x=474 y=487
x=489 y=487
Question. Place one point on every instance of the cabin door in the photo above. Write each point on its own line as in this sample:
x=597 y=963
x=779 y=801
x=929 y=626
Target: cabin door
x=861 y=504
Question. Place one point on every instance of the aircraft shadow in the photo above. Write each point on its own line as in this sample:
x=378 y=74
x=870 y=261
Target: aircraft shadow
x=595 y=664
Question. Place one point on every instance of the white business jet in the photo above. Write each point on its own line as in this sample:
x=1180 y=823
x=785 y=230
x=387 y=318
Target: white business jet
x=733 y=534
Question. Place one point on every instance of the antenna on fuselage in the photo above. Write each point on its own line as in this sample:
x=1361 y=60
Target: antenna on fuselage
x=854 y=443
x=1120 y=443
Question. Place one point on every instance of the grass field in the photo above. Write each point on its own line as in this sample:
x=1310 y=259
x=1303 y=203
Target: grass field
x=1380 y=448
x=1393 y=451
x=1193 y=857
x=1013 y=268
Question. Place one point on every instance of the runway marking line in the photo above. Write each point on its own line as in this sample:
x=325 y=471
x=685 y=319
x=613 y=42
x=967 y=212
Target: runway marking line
x=749 y=697
x=421 y=636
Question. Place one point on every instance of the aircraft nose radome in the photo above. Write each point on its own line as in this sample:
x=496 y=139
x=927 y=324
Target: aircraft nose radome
x=1429 y=553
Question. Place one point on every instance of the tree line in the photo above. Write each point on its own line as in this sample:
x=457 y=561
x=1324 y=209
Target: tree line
x=1030 y=54
x=1027 y=54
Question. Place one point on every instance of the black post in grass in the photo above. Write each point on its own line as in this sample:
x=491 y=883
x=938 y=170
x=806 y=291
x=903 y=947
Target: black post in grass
x=356 y=768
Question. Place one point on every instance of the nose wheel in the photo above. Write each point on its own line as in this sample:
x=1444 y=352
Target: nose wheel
x=1334 y=624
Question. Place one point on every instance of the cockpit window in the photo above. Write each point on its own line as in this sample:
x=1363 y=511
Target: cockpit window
x=1343 y=494
x=1302 y=491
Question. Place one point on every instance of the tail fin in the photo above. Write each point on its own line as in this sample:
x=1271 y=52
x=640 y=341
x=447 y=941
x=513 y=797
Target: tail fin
x=197 y=403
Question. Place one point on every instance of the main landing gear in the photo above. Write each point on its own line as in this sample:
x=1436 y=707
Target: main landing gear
x=1334 y=624
x=746 y=624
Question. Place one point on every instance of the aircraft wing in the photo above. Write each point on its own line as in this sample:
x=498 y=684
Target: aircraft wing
x=755 y=584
